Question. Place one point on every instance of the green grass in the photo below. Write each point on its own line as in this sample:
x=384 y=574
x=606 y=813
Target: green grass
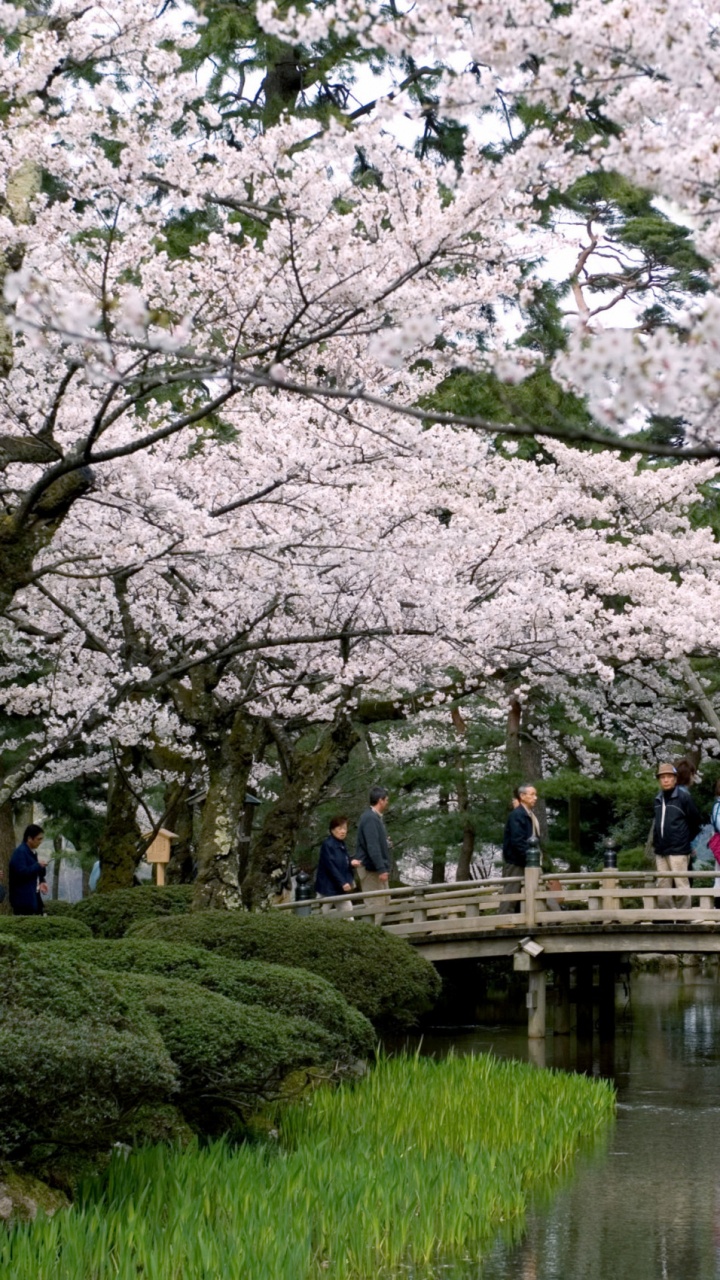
x=420 y=1161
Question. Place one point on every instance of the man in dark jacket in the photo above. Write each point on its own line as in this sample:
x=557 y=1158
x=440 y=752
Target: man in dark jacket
x=520 y=826
x=334 y=873
x=372 y=847
x=676 y=822
x=27 y=874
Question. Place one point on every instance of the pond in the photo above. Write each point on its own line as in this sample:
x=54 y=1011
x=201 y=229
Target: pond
x=648 y=1206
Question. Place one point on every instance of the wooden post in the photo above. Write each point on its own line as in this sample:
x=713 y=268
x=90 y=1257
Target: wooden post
x=610 y=901
x=535 y=1000
x=536 y=1005
x=532 y=880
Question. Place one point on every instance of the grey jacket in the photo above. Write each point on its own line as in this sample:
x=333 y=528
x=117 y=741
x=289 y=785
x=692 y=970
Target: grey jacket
x=371 y=846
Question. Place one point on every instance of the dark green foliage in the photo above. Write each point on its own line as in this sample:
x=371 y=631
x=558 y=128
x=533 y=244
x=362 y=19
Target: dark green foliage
x=58 y=907
x=64 y=1085
x=109 y=915
x=77 y=1058
x=381 y=975
x=37 y=980
x=228 y=1055
x=44 y=928
x=295 y=993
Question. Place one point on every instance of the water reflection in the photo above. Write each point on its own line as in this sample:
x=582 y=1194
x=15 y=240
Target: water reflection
x=648 y=1207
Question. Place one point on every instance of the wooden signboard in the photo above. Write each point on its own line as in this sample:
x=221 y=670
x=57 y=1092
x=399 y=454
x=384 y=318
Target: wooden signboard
x=159 y=852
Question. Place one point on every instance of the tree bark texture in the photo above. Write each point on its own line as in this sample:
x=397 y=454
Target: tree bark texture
x=119 y=844
x=307 y=776
x=219 y=846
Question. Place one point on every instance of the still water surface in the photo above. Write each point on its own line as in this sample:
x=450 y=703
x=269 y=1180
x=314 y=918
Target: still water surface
x=647 y=1207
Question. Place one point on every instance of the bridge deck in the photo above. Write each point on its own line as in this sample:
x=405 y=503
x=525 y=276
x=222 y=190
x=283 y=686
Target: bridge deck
x=565 y=913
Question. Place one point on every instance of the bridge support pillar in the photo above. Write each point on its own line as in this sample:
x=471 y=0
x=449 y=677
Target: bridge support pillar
x=535 y=999
x=561 y=1025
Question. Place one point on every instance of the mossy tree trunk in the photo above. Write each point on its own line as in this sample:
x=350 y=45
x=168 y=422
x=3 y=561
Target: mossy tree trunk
x=179 y=817
x=306 y=774
x=119 y=847
x=220 y=844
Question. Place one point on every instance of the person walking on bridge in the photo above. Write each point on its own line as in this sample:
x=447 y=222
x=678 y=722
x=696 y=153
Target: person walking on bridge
x=372 y=847
x=676 y=823
x=520 y=826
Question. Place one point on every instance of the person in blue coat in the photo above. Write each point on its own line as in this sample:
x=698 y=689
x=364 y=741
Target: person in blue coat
x=335 y=873
x=26 y=879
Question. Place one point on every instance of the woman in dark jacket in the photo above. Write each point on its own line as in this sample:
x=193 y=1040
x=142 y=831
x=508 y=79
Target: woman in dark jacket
x=334 y=873
x=27 y=875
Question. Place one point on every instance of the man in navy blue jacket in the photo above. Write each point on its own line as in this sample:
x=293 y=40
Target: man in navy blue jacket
x=334 y=873
x=520 y=826
x=27 y=874
x=676 y=822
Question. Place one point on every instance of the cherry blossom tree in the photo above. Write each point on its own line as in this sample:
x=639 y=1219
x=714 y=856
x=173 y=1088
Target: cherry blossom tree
x=235 y=522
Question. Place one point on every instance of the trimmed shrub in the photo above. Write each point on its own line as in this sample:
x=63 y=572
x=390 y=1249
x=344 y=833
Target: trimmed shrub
x=37 y=981
x=228 y=1055
x=63 y=1085
x=77 y=1057
x=44 y=928
x=58 y=907
x=383 y=976
x=109 y=915
x=294 y=992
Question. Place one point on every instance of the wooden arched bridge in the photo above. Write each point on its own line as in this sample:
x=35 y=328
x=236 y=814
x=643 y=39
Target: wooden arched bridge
x=567 y=919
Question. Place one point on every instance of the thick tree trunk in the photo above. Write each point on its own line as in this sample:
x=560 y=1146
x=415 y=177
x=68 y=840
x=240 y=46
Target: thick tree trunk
x=466 y=852
x=524 y=756
x=307 y=776
x=118 y=847
x=220 y=842
x=19 y=546
x=179 y=817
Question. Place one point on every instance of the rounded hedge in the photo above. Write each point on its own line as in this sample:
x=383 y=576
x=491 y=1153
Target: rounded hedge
x=109 y=915
x=383 y=976
x=63 y=1084
x=44 y=928
x=78 y=1058
x=38 y=981
x=227 y=1055
x=57 y=907
x=275 y=987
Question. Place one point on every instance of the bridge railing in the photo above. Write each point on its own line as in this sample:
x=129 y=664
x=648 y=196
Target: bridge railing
x=557 y=900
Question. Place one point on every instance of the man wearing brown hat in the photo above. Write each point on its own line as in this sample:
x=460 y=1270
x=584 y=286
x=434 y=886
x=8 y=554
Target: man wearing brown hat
x=676 y=822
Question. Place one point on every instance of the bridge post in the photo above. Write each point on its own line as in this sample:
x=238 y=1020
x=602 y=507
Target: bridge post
x=609 y=901
x=535 y=999
x=532 y=880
